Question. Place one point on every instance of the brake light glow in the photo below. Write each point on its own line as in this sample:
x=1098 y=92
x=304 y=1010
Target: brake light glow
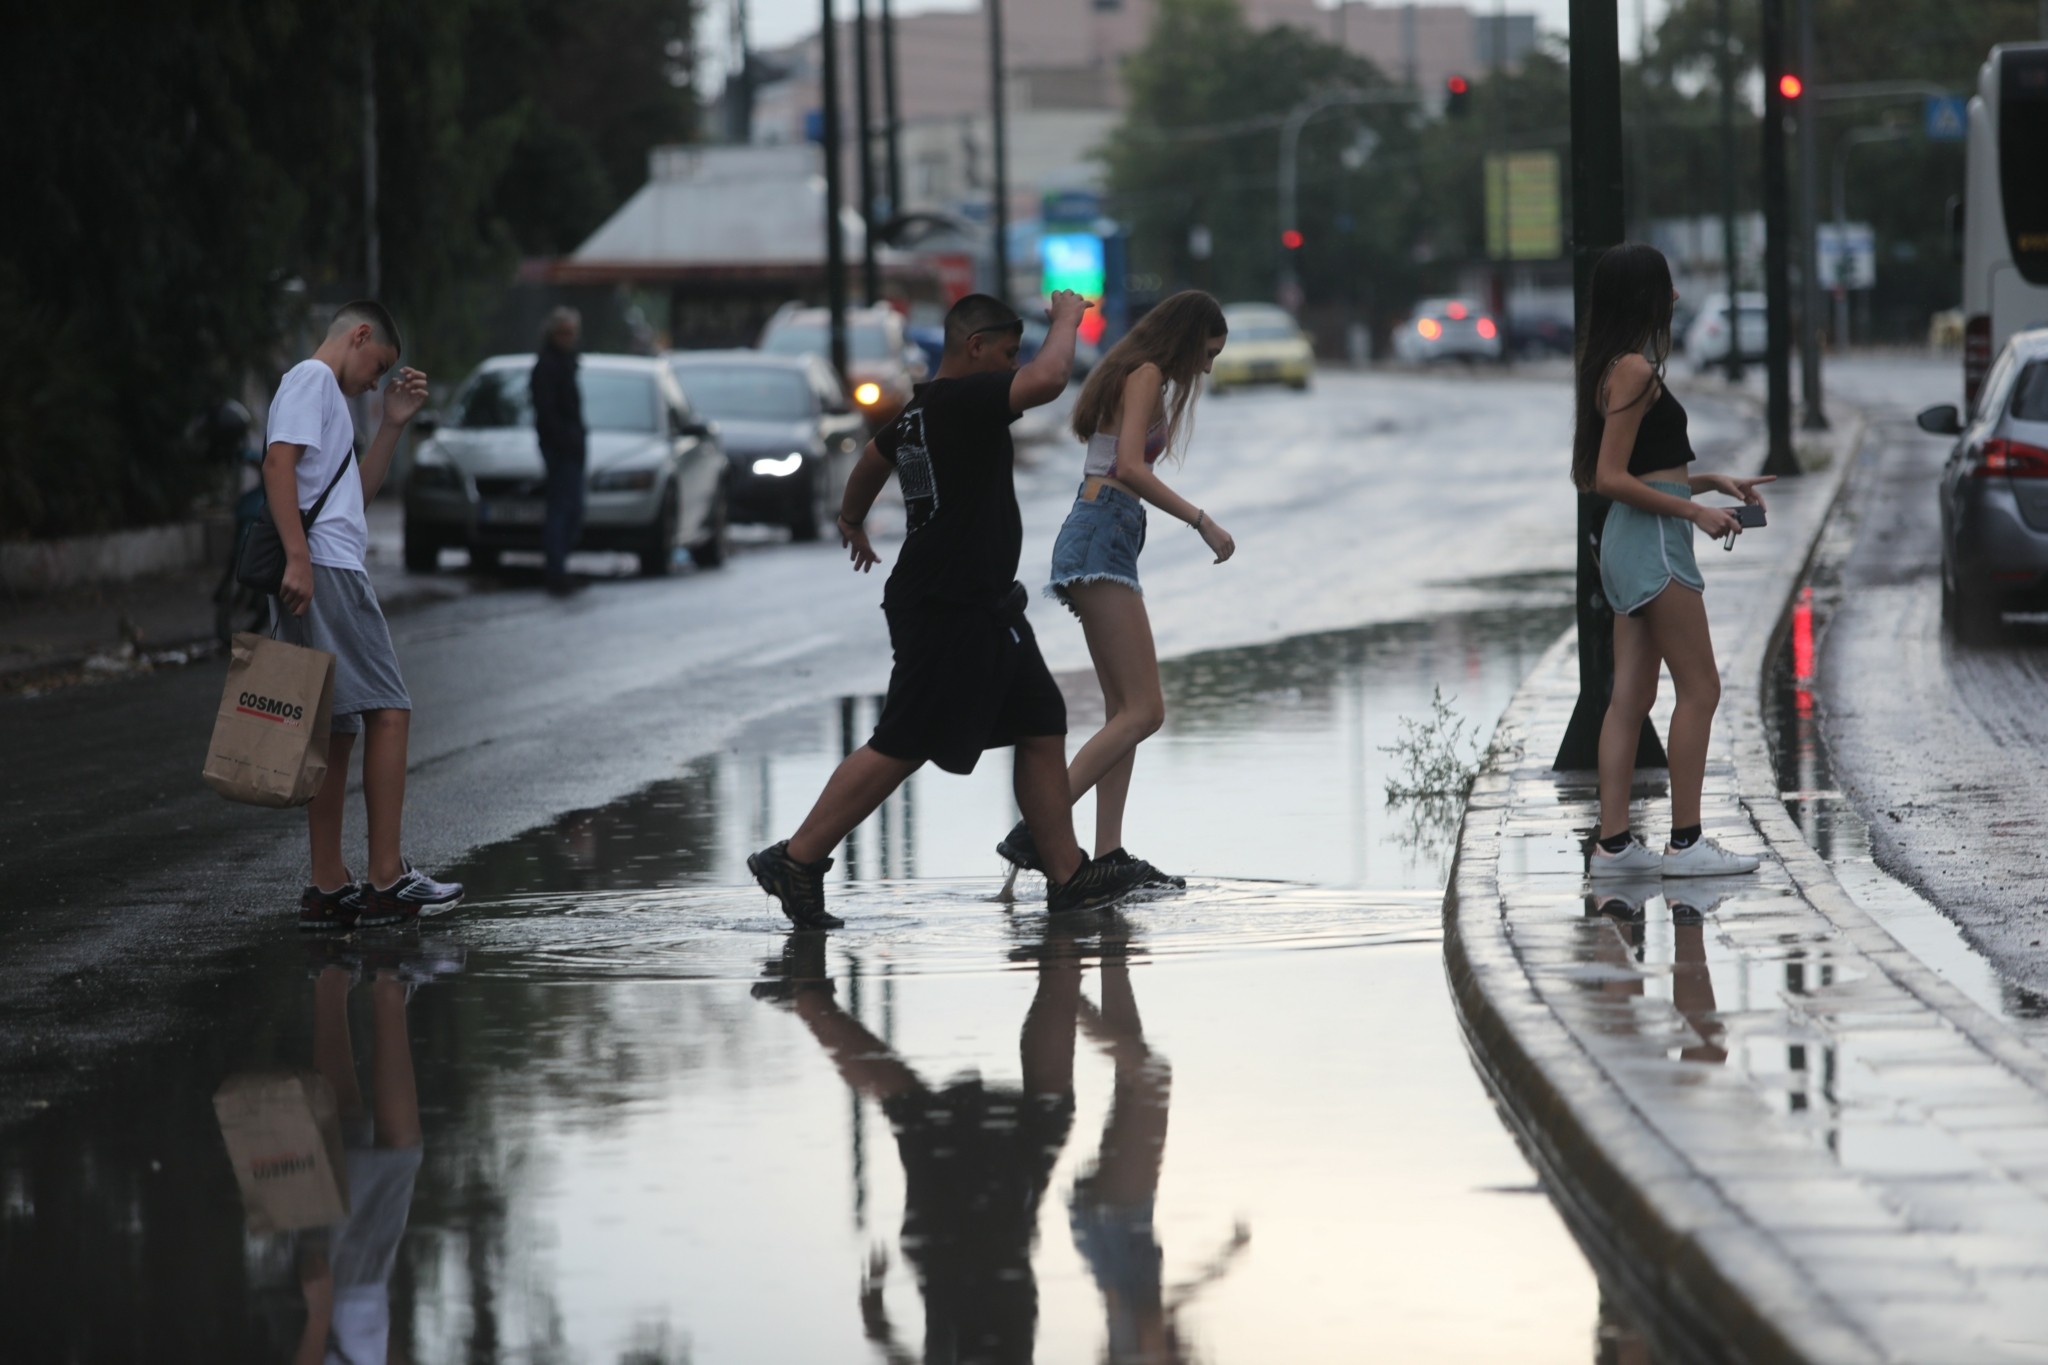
x=867 y=394
x=1456 y=312
x=2014 y=459
x=1487 y=329
x=1429 y=328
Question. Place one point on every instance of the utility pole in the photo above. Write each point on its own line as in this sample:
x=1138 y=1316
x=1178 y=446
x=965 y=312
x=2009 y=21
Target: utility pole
x=1597 y=224
x=999 y=217
x=1778 y=457
x=1729 y=253
x=835 y=244
x=870 y=277
x=739 y=97
x=373 y=262
x=892 y=114
x=1815 y=417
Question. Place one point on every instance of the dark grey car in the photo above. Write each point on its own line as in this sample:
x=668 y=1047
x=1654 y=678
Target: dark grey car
x=790 y=434
x=1994 y=494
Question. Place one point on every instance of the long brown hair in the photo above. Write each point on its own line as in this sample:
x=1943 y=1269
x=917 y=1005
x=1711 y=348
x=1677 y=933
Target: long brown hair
x=1174 y=336
x=1628 y=312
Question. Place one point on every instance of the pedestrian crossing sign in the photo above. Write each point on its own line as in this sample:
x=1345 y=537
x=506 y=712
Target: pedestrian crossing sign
x=1947 y=118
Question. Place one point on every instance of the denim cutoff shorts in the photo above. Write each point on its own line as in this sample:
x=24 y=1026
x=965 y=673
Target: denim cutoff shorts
x=1099 y=543
x=1641 y=553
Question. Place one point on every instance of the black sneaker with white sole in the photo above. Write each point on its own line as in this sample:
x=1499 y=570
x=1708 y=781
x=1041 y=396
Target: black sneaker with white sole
x=1153 y=877
x=798 y=887
x=1096 y=882
x=405 y=900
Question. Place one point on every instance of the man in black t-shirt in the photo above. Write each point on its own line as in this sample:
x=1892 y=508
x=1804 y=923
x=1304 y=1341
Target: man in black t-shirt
x=968 y=675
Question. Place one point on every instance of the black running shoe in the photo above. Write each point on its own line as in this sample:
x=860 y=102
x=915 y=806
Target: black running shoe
x=1152 y=875
x=329 y=912
x=1019 y=849
x=800 y=887
x=405 y=900
x=1096 y=882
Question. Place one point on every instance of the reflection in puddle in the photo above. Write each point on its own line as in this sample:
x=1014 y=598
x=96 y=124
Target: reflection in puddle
x=655 y=1126
x=1831 y=823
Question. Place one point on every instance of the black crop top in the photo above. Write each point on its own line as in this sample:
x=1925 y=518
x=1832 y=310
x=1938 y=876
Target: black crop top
x=1661 y=442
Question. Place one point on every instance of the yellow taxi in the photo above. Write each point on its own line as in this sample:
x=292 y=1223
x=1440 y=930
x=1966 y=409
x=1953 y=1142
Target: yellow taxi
x=1266 y=346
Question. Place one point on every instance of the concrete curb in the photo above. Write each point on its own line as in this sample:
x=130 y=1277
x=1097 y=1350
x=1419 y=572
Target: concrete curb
x=1704 y=1282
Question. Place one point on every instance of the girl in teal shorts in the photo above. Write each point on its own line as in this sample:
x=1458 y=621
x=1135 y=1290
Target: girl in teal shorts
x=1630 y=445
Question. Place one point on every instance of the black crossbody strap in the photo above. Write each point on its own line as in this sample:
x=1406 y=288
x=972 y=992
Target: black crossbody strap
x=312 y=514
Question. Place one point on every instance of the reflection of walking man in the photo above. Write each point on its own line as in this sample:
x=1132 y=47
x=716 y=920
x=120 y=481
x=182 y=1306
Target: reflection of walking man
x=558 y=421
x=976 y=1158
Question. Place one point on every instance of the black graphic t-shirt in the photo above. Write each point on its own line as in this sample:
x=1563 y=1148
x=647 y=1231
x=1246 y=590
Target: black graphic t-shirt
x=953 y=457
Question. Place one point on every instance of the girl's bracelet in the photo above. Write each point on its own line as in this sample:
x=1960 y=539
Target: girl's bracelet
x=1200 y=517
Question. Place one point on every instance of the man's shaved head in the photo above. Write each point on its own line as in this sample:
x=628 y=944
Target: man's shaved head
x=979 y=313
x=352 y=315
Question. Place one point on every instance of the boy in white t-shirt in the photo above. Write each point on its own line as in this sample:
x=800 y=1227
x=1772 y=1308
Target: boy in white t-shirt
x=326 y=602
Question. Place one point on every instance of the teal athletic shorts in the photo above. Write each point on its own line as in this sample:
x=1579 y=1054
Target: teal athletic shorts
x=1641 y=553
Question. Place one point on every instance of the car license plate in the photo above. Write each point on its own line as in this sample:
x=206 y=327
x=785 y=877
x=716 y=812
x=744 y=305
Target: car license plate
x=1266 y=369
x=508 y=512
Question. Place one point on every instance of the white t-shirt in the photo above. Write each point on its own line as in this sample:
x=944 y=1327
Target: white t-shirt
x=309 y=411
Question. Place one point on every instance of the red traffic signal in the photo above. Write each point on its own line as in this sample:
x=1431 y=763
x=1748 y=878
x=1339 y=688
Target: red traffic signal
x=1790 y=86
x=1457 y=94
x=1291 y=239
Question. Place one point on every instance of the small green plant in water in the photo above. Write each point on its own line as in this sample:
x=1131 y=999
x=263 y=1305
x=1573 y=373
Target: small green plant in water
x=1439 y=756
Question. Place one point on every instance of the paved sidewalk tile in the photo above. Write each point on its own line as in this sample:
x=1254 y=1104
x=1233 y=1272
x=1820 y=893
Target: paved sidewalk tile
x=1749 y=1071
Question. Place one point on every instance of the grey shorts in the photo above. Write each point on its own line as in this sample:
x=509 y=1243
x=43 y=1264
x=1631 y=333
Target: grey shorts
x=1641 y=554
x=345 y=620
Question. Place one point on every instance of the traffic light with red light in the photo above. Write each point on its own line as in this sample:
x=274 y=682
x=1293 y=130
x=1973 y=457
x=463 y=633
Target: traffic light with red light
x=1457 y=96
x=1790 y=86
x=1291 y=239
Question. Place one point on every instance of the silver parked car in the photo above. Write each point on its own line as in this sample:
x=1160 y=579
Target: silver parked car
x=1994 y=494
x=655 y=475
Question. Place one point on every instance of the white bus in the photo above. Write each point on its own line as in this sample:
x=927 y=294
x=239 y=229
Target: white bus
x=2005 y=208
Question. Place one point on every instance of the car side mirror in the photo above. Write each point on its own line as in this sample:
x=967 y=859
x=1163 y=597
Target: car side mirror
x=689 y=426
x=1942 y=419
x=426 y=423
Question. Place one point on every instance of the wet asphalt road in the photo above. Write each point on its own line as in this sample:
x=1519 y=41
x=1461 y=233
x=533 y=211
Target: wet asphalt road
x=1373 y=498
x=657 y=1126
x=1941 y=746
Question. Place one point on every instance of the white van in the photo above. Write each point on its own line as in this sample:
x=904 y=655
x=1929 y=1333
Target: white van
x=2005 y=208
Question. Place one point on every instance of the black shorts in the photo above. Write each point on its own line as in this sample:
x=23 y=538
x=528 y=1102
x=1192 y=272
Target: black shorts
x=966 y=679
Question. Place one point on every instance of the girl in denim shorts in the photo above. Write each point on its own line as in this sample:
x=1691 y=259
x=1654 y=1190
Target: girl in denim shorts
x=1630 y=445
x=1137 y=405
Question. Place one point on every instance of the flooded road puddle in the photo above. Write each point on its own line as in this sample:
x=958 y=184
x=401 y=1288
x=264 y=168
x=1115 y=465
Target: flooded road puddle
x=645 y=1122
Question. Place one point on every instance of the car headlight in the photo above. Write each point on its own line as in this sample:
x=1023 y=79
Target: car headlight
x=867 y=393
x=779 y=467
x=622 y=481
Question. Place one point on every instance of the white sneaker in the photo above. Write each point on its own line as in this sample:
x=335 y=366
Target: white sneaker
x=1705 y=859
x=1633 y=861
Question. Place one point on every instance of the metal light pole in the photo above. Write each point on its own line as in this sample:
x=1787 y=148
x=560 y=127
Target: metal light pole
x=835 y=244
x=1598 y=214
x=1778 y=457
x=999 y=120
x=870 y=278
x=1816 y=418
x=1729 y=254
x=892 y=114
x=1854 y=138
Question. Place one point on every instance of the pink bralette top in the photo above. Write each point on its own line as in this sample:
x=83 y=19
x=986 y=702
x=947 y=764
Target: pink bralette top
x=1102 y=451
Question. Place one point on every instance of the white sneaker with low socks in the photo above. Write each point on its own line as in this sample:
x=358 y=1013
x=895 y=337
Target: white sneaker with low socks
x=1705 y=858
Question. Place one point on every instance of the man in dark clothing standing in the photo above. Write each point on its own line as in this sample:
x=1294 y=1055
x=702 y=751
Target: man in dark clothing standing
x=558 y=420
